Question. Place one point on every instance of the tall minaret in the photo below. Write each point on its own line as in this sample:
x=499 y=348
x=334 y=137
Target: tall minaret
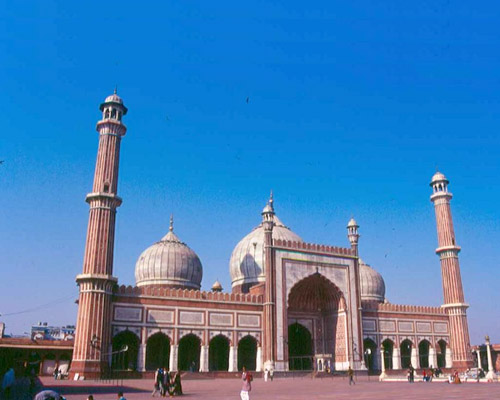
x=269 y=338
x=93 y=335
x=358 y=351
x=454 y=301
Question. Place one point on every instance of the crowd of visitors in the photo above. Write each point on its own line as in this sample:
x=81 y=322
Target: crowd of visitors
x=167 y=383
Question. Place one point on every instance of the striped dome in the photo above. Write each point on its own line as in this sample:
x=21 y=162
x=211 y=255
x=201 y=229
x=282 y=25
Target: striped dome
x=372 y=283
x=170 y=263
x=246 y=265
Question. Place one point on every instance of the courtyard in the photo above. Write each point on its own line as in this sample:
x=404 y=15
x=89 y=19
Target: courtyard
x=281 y=388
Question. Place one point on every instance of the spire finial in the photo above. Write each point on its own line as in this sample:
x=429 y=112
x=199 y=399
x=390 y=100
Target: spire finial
x=116 y=89
x=271 y=200
x=171 y=229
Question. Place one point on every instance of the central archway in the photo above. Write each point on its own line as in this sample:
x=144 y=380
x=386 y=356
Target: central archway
x=316 y=319
x=405 y=351
x=300 y=349
x=189 y=353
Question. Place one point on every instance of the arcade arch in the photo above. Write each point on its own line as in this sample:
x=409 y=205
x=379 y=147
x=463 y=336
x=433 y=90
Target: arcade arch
x=157 y=351
x=125 y=360
x=388 y=348
x=218 y=353
x=405 y=350
x=247 y=353
x=189 y=353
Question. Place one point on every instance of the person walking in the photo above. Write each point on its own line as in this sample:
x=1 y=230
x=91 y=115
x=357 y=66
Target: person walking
x=266 y=374
x=350 y=373
x=271 y=374
x=247 y=386
x=165 y=384
x=158 y=380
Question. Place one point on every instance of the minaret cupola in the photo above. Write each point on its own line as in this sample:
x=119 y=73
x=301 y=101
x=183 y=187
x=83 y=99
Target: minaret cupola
x=113 y=108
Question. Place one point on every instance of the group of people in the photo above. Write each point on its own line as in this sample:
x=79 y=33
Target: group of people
x=167 y=382
x=427 y=375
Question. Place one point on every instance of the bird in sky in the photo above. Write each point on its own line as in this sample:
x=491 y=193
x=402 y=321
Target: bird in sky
x=248 y=99
x=1 y=161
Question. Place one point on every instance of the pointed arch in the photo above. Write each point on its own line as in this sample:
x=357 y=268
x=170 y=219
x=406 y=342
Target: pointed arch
x=157 y=351
x=125 y=360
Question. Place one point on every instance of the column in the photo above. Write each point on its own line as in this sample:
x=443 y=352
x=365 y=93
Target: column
x=414 y=357
x=233 y=357
x=204 y=359
x=173 y=359
x=491 y=376
x=478 y=353
x=396 y=359
x=432 y=357
x=383 y=375
x=258 y=361
x=141 y=358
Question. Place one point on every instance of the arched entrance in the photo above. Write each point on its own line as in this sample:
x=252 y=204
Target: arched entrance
x=441 y=354
x=316 y=324
x=370 y=353
x=300 y=349
x=423 y=353
x=218 y=354
x=388 y=347
x=247 y=353
x=157 y=352
x=125 y=360
x=189 y=353
x=405 y=348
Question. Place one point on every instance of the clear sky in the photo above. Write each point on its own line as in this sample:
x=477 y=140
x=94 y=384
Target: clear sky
x=352 y=105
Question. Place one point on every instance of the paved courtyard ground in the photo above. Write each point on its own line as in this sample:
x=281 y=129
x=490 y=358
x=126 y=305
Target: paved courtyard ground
x=284 y=388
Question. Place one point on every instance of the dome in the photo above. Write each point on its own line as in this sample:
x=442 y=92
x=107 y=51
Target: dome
x=246 y=265
x=352 y=222
x=217 y=287
x=169 y=262
x=438 y=177
x=114 y=99
x=372 y=283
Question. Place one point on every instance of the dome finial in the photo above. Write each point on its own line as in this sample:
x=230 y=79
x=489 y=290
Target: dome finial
x=271 y=200
x=116 y=89
x=171 y=228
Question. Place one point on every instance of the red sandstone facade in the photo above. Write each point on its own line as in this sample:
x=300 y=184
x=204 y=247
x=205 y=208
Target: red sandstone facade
x=295 y=305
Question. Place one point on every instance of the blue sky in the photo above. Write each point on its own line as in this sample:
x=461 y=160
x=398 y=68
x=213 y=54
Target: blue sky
x=352 y=105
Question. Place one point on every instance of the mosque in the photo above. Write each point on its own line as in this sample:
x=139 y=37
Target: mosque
x=294 y=305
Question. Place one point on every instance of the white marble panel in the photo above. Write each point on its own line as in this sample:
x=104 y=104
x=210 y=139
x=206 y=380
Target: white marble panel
x=192 y=317
x=127 y=314
x=424 y=327
x=405 y=326
x=221 y=319
x=369 y=325
x=162 y=316
x=440 y=327
x=387 y=326
x=248 y=320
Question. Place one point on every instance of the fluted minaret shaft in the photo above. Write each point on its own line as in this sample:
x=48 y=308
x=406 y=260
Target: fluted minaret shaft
x=93 y=327
x=269 y=323
x=453 y=294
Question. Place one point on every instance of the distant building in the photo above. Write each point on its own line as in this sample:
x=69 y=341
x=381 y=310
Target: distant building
x=47 y=348
x=42 y=331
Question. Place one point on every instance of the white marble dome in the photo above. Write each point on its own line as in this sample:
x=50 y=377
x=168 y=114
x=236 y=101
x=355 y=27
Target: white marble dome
x=169 y=263
x=246 y=265
x=372 y=283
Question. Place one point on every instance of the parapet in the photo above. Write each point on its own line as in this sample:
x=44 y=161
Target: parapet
x=190 y=294
x=314 y=248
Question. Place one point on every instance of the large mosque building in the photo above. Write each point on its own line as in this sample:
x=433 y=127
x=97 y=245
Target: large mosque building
x=293 y=305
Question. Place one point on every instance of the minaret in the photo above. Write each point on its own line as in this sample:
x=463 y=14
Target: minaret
x=269 y=323
x=454 y=301
x=353 y=236
x=93 y=335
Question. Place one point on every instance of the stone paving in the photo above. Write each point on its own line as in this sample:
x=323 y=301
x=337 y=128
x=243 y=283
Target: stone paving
x=284 y=388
